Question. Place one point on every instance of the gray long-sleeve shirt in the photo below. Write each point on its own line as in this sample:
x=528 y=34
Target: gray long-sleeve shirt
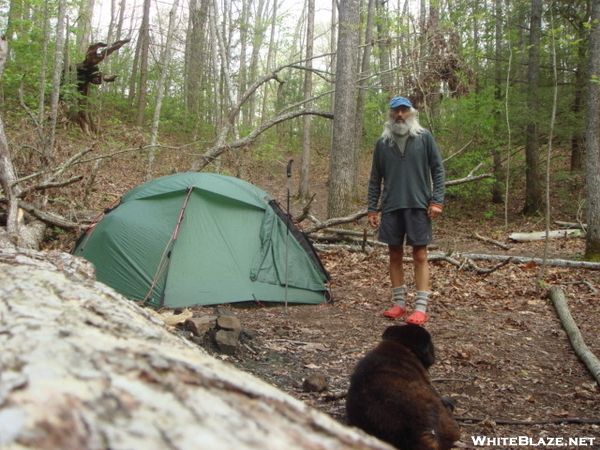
x=413 y=179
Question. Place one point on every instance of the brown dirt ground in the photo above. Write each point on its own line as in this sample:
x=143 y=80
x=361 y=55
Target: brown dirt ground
x=502 y=353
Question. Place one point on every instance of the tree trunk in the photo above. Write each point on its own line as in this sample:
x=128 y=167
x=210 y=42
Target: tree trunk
x=195 y=56
x=162 y=85
x=258 y=36
x=304 y=192
x=84 y=25
x=342 y=166
x=144 y=49
x=59 y=52
x=577 y=139
x=498 y=185
x=592 y=247
x=271 y=56
x=84 y=368
x=533 y=190
x=363 y=78
x=11 y=192
x=385 y=44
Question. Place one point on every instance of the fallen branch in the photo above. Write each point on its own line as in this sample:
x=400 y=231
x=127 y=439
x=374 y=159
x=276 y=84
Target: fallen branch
x=336 y=221
x=586 y=283
x=527 y=260
x=528 y=422
x=557 y=296
x=490 y=241
x=575 y=225
x=48 y=217
x=479 y=271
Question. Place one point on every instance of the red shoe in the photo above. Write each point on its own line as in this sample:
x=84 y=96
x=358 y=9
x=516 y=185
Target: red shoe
x=395 y=312
x=417 y=318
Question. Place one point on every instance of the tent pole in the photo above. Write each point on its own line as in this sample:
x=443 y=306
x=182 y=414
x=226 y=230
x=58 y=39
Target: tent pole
x=162 y=263
x=287 y=236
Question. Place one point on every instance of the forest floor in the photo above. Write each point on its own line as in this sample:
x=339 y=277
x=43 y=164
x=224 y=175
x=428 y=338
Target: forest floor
x=502 y=353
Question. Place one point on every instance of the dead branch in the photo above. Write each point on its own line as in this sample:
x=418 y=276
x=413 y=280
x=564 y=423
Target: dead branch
x=336 y=221
x=528 y=422
x=458 y=152
x=490 y=241
x=586 y=283
x=470 y=177
x=56 y=171
x=305 y=210
x=219 y=149
x=347 y=247
x=48 y=217
x=479 y=271
x=575 y=225
x=527 y=260
x=557 y=296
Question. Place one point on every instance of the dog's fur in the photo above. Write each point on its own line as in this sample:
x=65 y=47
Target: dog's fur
x=391 y=396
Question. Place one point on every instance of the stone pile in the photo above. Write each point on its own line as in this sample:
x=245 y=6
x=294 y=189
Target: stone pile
x=222 y=328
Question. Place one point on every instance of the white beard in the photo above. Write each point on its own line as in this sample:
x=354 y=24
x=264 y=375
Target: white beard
x=401 y=128
x=411 y=125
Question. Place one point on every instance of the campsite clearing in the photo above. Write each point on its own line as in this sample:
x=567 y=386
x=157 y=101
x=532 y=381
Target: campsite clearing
x=502 y=353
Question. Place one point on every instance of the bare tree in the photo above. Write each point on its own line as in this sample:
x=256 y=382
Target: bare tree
x=162 y=85
x=533 y=189
x=497 y=187
x=197 y=53
x=343 y=159
x=84 y=24
x=143 y=50
x=59 y=51
x=305 y=161
x=592 y=248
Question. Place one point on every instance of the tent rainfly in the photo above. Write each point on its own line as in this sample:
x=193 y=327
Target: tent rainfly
x=203 y=239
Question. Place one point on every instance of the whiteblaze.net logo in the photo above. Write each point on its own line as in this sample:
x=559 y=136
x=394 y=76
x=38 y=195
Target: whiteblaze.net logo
x=526 y=441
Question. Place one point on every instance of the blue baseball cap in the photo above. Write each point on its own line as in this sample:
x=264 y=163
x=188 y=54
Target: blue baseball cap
x=400 y=101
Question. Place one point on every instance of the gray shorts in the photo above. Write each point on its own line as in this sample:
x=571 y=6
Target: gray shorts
x=414 y=224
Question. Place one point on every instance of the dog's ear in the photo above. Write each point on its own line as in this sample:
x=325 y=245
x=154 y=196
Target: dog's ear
x=414 y=337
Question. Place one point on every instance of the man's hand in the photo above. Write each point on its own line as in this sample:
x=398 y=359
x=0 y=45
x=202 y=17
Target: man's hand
x=373 y=220
x=434 y=211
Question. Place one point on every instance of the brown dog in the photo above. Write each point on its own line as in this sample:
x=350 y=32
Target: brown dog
x=391 y=396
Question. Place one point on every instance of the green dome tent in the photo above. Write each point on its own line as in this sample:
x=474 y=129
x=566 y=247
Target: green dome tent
x=202 y=239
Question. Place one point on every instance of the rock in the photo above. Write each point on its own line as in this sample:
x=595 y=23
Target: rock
x=315 y=382
x=229 y=323
x=199 y=326
x=227 y=341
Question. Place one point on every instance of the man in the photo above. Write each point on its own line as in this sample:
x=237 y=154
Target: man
x=408 y=163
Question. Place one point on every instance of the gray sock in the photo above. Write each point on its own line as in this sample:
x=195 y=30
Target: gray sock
x=398 y=293
x=422 y=299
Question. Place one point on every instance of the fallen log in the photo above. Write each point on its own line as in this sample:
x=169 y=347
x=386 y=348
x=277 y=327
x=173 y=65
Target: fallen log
x=557 y=296
x=81 y=367
x=540 y=235
x=523 y=260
